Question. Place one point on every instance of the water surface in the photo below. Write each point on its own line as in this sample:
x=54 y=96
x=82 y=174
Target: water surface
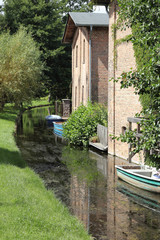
x=86 y=182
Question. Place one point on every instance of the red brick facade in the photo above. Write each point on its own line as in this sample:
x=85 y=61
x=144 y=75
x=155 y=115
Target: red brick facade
x=80 y=66
x=100 y=65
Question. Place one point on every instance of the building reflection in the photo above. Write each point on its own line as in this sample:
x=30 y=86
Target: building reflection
x=107 y=213
x=80 y=200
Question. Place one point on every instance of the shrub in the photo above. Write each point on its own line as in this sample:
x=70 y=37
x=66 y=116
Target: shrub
x=82 y=124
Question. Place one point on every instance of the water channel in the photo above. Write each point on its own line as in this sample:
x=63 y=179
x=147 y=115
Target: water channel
x=86 y=182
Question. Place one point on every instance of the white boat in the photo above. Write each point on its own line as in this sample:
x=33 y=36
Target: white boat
x=53 y=118
x=140 y=176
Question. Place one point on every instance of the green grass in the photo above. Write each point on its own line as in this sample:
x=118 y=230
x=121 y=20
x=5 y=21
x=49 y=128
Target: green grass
x=27 y=210
x=41 y=101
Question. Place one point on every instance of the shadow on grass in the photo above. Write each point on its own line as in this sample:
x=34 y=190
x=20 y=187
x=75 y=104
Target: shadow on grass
x=11 y=158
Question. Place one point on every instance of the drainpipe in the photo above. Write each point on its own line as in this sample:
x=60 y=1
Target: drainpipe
x=114 y=85
x=90 y=64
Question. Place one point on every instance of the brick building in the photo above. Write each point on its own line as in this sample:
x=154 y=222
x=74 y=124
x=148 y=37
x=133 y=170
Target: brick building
x=92 y=68
x=88 y=34
x=122 y=103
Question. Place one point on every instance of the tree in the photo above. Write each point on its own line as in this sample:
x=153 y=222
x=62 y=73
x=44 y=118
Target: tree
x=76 y=6
x=46 y=20
x=43 y=20
x=2 y=22
x=20 y=67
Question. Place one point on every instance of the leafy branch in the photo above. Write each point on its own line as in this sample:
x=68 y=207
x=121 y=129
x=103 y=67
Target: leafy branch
x=144 y=19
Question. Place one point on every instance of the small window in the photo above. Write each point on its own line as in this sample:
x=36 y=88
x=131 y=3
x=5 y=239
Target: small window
x=75 y=96
x=76 y=56
x=84 y=51
x=124 y=130
x=82 y=94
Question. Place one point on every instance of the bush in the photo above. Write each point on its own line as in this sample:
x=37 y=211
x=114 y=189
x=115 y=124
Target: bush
x=82 y=124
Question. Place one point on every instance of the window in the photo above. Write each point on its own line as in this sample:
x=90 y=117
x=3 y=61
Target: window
x=123 y=130
x=76 y=56
x=82 y=94
x=83 y=51
x=75 y=96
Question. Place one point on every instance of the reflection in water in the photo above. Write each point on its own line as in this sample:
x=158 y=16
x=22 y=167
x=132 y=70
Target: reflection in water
x=86 y=182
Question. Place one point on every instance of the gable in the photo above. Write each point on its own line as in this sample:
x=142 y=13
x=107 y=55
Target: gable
x=83 y=19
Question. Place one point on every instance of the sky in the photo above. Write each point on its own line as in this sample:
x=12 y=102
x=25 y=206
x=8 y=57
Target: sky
x=1 y=1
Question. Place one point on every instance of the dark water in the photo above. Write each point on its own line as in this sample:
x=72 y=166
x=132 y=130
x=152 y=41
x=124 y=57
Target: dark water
x=87 y=184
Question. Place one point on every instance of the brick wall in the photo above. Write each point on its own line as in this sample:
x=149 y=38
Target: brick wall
x=100 y=65
x=122 y=103
x=80 y=66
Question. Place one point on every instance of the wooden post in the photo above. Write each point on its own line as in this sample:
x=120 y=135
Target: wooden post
x=66 y=107
x=138 y=135
x=56 y=110
x=130 y=146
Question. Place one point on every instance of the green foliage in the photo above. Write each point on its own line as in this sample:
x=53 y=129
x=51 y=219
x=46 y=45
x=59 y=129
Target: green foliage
x=82 y=124
x=77 y=6
x=43 y=19
x=117 y=42
x=20 y=67
x=102 y=113
x=94 y=139
x=46 y=20
x=2 y=22
x=41 y=101
x=144 y=19
x=149 y=141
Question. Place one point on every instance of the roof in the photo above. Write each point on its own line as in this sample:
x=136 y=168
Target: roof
x=87 y=19
x=83 y=19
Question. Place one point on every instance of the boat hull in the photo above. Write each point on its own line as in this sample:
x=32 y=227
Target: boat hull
x=135 y=178
x=58 y=128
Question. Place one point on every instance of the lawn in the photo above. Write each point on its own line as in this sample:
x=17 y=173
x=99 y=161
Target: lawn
x=42 y=101
x=27 y=210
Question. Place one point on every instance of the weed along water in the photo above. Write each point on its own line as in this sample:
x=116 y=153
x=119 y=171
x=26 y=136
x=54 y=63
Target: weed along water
x=86 y=182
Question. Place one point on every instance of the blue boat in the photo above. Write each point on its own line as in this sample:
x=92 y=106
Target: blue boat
x=58 y=128
x=140 y=176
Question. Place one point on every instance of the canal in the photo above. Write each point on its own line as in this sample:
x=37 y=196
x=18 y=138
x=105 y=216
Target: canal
x=86 y=182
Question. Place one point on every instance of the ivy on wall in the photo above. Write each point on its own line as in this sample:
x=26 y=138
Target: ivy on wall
x=143 y=17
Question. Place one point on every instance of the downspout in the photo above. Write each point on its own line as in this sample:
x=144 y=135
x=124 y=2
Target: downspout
x=114 y=85
x=90 y=63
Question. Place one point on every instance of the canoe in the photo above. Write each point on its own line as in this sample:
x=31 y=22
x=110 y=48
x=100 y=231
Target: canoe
x=142 y=177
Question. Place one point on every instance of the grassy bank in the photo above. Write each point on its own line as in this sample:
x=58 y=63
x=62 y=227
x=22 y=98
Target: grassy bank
x=39 y=102
x=27 y=210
